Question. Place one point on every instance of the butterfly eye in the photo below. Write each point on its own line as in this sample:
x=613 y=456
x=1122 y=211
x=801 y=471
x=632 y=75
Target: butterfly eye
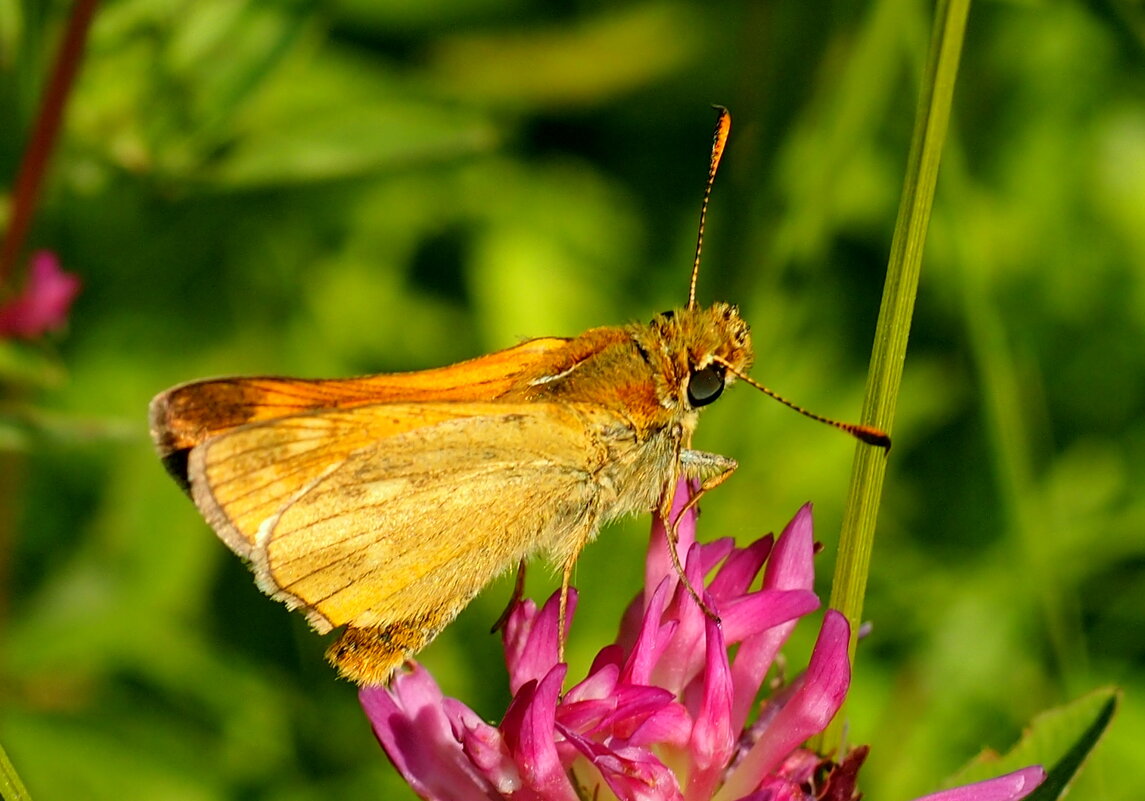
x=705 y=385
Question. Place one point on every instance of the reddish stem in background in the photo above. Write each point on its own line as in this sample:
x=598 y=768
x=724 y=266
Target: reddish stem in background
x=43 y=139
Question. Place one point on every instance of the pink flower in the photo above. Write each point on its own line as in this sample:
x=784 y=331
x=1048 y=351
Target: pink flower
x=44 y=303
x=663 y=713
x=1018 y=784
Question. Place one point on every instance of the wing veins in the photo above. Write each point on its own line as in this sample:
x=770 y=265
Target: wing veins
x=382 y=598
x=354 y=511
x=302 y=465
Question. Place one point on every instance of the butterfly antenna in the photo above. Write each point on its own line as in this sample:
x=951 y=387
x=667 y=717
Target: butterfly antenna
x=867 y=434
x=723 y=126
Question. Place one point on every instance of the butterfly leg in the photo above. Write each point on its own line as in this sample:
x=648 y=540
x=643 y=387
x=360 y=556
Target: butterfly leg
x=562 y=621
x=514 y=599
x=581 y=526
x=712 y=470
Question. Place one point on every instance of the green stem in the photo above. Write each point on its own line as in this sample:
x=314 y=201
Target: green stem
x=856 y=540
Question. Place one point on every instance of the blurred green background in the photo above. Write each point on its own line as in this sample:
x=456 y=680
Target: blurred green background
x=350 y=186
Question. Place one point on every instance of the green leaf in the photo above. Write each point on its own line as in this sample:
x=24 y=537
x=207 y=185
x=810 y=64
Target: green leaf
x=601 y=58
x=1059 y=739
x=11 y=788
x=342 y=117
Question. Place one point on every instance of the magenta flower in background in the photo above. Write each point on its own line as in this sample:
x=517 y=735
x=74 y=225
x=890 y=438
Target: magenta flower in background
x=663 y=713
x=44 y=303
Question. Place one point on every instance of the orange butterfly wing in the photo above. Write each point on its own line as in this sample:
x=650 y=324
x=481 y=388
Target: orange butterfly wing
x=390 y=518
x=385 y=502
x=186 y=415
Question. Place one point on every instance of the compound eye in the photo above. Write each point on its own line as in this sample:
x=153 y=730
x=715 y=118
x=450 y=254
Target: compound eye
x=705 y=385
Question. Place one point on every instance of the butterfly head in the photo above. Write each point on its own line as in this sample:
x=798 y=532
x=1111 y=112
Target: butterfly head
x=706 y=347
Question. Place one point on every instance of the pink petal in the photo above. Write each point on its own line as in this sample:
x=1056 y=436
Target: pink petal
x=601 y=683
x=630 y=623
x=531 y=640
x=714 y=552
x=789 y=567
x=659 y=561
x=750 y=615
x=411 y=725
x=739 y=571
x=633 y=774
x=608 y=655
x=484 y=746
x=515 y=633
x=712 y=736
x=652 y=639
x=1009 y=787
x=684 y=656
x=815 y=699
x=602 y=702
x=529 y=729
x=670 y=726
x=616 y=716
x=44 y=303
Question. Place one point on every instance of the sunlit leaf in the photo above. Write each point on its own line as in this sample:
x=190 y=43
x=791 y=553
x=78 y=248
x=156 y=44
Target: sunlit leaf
x=1060 y=740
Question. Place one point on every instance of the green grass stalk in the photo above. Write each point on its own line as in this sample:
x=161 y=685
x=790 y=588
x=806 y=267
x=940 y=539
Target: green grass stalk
x=856 y=540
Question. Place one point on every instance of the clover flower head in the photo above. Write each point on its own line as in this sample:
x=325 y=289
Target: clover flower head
x=664 y=713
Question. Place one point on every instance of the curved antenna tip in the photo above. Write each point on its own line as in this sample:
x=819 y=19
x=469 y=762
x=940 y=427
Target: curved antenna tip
x=871 y=436
x=719 y=139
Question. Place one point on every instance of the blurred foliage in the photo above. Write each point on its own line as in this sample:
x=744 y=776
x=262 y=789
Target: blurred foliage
x=348 y=186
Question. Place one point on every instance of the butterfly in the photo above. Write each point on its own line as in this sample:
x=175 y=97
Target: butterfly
x=383 y=504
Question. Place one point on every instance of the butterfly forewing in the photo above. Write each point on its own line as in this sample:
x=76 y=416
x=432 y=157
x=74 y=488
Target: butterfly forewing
x=186 y=415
